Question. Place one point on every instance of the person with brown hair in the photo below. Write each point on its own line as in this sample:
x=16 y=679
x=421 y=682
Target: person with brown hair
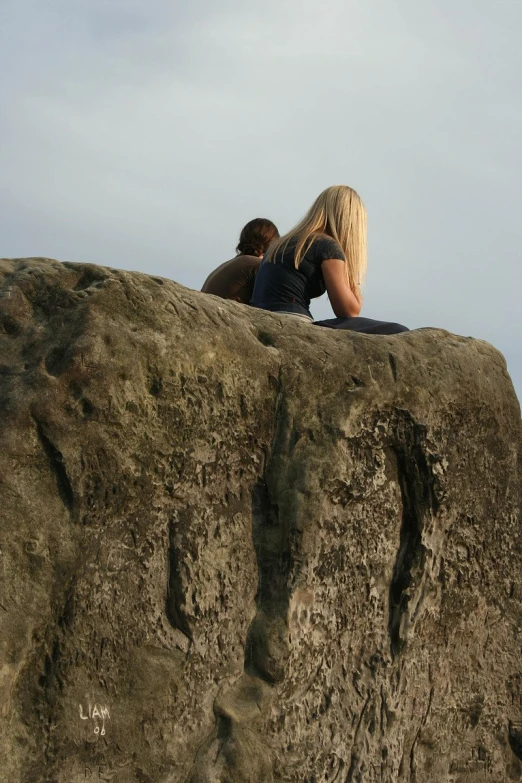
x=235 y=278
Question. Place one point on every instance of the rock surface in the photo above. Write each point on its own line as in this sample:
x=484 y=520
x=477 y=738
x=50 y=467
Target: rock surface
x=238 y=548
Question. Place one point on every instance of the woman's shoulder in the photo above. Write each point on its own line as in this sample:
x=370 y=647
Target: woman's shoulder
x=323 y=247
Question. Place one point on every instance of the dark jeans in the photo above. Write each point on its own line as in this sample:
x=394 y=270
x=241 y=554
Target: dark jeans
x=364 y=325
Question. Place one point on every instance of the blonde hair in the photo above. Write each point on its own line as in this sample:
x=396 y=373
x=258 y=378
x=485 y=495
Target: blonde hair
x=339 y=213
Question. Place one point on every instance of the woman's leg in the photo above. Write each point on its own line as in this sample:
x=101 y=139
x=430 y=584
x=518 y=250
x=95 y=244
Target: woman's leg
x=364 y=325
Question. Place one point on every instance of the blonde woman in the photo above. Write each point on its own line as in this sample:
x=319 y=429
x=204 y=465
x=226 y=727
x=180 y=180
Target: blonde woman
x=326 y=251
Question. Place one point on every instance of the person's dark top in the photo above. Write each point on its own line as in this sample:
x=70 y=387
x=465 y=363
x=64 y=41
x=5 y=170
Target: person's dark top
x=234 y=279
x=280 y=287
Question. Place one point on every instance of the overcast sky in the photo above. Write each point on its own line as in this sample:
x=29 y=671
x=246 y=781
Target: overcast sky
x=143 y=134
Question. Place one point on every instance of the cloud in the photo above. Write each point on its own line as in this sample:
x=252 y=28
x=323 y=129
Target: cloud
x=144 y=134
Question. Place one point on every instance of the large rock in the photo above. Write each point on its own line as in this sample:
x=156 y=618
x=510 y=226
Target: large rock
x=241 y=548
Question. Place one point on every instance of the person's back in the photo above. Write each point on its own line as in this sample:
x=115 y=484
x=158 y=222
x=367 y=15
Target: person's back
x=281 y=286
x=235 y=278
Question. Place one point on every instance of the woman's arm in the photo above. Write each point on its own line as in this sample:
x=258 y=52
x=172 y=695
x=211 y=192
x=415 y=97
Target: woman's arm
x=344 y=301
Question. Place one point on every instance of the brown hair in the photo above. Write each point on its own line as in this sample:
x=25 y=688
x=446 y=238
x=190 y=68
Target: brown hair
x=256 y=236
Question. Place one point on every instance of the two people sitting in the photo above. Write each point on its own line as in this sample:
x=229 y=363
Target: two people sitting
x=325 y=251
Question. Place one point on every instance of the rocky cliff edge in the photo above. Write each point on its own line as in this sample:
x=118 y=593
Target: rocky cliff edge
x=238 y=548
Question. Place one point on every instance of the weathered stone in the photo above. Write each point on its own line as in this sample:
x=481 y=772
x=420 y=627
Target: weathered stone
x=241 y=548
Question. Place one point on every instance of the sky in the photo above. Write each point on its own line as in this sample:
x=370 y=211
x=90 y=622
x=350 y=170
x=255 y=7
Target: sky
x=143 y=134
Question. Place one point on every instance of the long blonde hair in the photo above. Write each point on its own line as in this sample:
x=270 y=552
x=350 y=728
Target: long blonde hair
x=339 y=213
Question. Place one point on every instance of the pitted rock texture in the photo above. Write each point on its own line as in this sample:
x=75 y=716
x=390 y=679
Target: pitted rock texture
x=238 y=548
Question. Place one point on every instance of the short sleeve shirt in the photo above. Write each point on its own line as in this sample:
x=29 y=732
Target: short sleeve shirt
x=280 y=286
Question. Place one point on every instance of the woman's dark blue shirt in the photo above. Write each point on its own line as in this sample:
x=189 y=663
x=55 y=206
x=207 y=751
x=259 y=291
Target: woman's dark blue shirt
x=279 y=286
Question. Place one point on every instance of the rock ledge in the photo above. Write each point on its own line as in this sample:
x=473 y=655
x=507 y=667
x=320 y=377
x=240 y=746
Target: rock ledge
x=237 y=548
